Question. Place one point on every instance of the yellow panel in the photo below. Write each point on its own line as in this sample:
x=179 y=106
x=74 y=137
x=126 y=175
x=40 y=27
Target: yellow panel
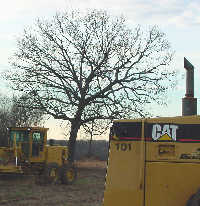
x=125 y=174
x=54 y=154
x=170 y=183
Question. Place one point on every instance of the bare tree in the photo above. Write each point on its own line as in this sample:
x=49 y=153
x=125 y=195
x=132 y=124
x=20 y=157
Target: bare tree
x=82 y=67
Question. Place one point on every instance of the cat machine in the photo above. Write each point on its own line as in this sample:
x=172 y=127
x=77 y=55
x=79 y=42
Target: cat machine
x=156 y=161
x=28 y=153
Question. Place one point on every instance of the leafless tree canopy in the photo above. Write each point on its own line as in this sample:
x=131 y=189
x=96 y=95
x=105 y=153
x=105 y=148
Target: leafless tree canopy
x=85 y=66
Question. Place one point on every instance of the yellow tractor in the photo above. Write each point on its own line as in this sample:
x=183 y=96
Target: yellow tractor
x=156 y=161
x=28 y=153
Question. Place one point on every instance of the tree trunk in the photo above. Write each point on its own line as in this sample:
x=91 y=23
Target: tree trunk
x=72 y=141
x=90 y=142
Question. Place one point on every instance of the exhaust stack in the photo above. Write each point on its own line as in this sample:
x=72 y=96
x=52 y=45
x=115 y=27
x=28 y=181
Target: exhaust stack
x=189 y=103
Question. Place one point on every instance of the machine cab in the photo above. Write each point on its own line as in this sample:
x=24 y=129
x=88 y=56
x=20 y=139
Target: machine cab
x=29 y=141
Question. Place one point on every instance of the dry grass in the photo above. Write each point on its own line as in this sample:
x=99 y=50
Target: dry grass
x=87 y=191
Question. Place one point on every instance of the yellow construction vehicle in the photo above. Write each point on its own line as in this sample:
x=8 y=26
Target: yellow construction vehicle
x=153 y=162
x=28 y=153
x=156 y=161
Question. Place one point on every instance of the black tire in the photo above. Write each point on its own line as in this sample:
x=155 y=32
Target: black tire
x=68 y=174
x=51 y=173
x=39 y=177
x=194 y=200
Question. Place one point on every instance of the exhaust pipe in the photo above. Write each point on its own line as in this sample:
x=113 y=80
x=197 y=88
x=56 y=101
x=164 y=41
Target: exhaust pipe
x=189 y=103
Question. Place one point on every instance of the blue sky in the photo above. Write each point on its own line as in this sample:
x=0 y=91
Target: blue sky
x=179 y=19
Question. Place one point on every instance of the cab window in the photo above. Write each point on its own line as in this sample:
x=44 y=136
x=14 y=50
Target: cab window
x=37 y=137
x=21 y=136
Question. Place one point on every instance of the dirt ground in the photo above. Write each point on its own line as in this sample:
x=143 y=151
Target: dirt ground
x=87 y=191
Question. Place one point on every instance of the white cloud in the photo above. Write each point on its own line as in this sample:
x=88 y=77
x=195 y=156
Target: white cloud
x=11 y=10
x=176 y=12
x=190 y=16
x=165 y=12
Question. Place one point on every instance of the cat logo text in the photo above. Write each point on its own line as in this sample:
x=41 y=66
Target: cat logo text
x=164 y=132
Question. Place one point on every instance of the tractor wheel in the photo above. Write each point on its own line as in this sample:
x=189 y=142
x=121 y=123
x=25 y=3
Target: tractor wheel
x=51 y=173
x=68 y=174
x=39 y=178
x=194 y=200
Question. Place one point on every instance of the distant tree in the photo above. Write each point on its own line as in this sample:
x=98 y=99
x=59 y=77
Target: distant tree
x=23 y=116
x=5 y=118
x=82 y=67
x=11 y=115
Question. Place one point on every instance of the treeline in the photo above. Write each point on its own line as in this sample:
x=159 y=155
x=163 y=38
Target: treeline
x=99 y=149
